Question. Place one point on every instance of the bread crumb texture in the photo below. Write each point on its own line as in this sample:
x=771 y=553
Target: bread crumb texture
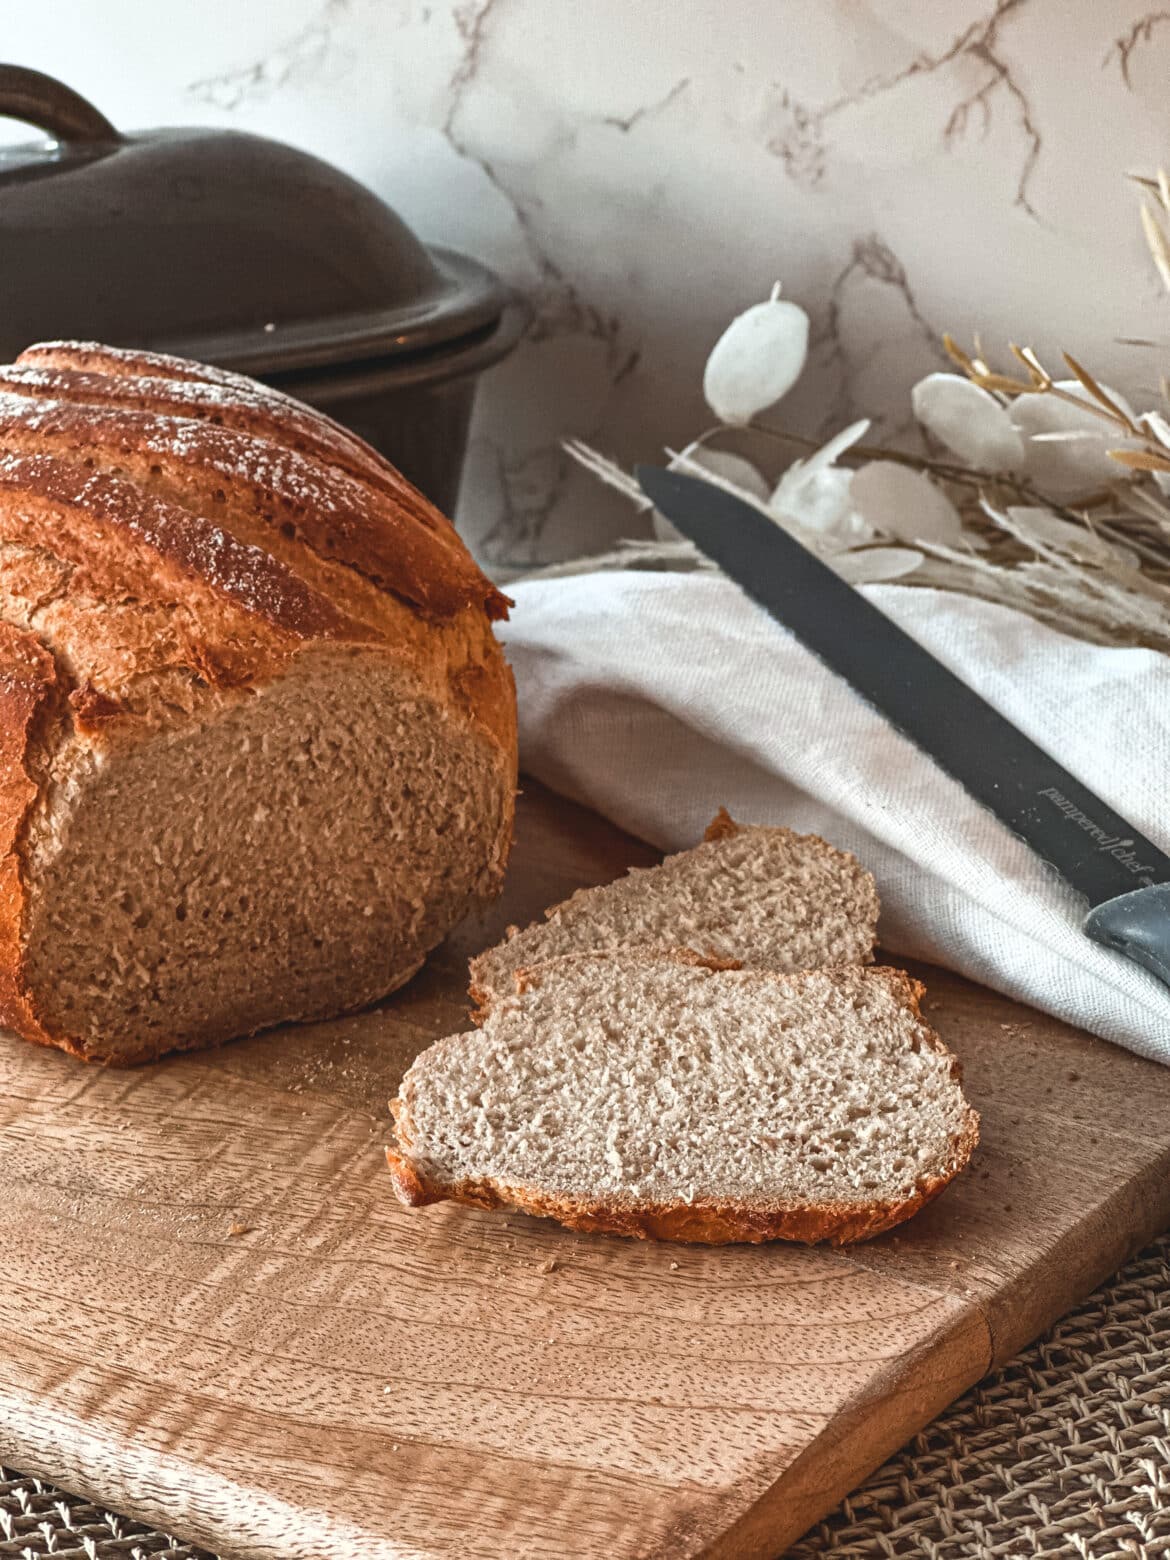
x=760 y=896
x=650 y=1096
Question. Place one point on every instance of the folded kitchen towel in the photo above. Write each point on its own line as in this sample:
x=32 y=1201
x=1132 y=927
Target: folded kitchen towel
x=657 y=697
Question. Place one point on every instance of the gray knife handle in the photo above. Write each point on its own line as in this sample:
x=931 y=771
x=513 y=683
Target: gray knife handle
x=1137 y=925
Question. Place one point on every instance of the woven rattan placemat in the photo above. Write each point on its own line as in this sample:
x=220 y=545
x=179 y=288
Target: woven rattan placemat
x=1064 y=1452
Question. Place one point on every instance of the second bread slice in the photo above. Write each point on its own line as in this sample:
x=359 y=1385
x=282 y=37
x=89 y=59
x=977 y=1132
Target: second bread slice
x=651 y=1096
x=766 y=898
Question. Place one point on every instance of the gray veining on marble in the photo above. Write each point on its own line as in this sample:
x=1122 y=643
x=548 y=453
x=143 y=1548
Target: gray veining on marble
x=643 y=169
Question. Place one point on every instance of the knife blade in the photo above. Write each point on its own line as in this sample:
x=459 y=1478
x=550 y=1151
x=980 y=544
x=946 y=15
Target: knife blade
x=1124 y=877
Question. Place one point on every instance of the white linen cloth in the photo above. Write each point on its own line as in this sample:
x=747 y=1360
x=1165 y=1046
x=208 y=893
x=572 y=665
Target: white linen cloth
x=657 y=697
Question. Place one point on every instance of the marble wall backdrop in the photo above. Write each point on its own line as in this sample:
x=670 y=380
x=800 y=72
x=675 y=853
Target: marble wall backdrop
x=643 y=169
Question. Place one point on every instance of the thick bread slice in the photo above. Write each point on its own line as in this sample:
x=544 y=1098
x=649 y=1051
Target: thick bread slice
x=652 y=1096
x=760 y=897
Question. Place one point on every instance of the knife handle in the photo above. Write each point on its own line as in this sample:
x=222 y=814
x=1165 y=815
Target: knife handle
x=1138 y=925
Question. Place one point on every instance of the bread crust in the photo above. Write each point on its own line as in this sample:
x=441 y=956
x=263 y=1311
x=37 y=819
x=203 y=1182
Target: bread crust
x=701 y=1224
x=698 y=1223
x=123 y=539
x=29 y=703
x=172 y=536
x=141 y=380
x=390 y=538
x=722 y=827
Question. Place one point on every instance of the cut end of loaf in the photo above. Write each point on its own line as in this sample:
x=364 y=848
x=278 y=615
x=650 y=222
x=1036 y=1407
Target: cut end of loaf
x=306 y=872
x=653 y=1097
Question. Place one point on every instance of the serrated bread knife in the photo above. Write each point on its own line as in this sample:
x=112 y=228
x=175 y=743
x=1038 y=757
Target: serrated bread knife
x=1125 y=879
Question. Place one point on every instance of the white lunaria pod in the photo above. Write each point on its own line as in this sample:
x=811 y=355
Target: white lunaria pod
x=969 y=421
x=758 y=359
x=813 y=493
x=873 y=565
x=1066 y=446
x=900 y=502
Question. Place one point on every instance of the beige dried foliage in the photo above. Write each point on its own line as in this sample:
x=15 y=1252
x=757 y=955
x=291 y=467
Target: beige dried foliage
x=1114 y=592
x=1141 y=460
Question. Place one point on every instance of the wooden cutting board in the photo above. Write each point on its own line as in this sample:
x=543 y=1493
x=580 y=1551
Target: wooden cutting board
x=213 y=1316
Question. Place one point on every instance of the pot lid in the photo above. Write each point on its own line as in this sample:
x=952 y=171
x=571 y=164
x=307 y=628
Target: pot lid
x=213 y=244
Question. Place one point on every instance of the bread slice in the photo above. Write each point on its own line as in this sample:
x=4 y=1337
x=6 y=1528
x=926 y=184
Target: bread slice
x=762 y=897
x=650 y=1095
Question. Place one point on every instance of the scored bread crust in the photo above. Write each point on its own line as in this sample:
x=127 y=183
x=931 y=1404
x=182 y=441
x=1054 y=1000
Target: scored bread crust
x=174 y=538
x=699 y=1223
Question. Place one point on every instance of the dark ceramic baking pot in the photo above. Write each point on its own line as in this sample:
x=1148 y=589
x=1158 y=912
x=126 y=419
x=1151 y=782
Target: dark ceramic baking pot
x=252 y=255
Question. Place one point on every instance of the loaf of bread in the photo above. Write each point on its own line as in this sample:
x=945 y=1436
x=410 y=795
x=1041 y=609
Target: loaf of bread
x=257 y=737
x=762 y=897
x=648 y=1095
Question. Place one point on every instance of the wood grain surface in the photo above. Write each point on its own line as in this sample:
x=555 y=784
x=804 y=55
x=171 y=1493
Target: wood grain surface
x=214 y=1316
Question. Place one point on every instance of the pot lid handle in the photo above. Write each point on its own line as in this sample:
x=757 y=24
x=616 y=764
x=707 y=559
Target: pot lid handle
x=52 y=106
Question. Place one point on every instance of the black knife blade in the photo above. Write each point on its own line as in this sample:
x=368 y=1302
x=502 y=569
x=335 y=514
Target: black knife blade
x=1125 y=878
